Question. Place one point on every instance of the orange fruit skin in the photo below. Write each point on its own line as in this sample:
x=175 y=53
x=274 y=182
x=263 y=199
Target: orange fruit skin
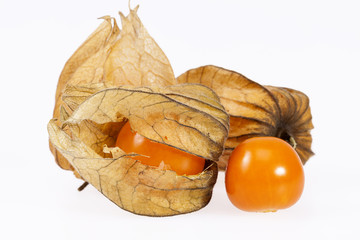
x=158 y=154
x=264 y=174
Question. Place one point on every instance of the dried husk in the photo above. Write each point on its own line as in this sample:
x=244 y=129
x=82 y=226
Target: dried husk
x=111 y=57
x=122 y=75
x=193 y=121
x=257 y=110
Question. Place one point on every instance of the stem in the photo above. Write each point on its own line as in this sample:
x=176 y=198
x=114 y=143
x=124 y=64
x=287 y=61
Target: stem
x=83 y=186
x=292 y=142
x=284 y=135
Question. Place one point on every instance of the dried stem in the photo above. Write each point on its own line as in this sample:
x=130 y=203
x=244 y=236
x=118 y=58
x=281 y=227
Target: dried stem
x=83 y=186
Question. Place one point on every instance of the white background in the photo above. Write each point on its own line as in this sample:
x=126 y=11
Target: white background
x=312 y=46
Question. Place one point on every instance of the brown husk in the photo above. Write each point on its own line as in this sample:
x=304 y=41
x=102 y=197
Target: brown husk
x=122 y=75
x=257 y=110
x=111 y=57
x=194 y=122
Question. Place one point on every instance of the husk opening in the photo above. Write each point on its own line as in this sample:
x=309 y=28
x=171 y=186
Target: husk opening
x=87 y=137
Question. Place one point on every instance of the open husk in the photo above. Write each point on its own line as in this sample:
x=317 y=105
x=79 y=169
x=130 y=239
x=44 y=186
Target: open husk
x=257 y=110
x=111 y=57
x=188 y=117
x=122 y=75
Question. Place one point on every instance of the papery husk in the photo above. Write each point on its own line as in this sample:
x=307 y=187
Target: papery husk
x=193 y=121
x=111 y=57
x=257 y=110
